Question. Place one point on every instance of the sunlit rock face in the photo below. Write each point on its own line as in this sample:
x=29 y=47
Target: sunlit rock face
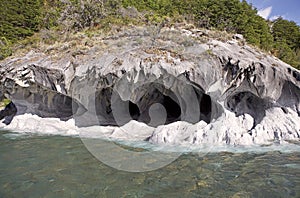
x=186 y=88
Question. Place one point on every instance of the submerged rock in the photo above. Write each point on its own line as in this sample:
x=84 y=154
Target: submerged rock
x=185 y=87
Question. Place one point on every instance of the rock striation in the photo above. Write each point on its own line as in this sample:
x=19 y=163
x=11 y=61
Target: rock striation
x=188 y=87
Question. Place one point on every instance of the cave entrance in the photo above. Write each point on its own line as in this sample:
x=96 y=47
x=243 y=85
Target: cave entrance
x=246 y=102
x=134 y=111
x=152 y=104
x=173 y=109
x=141 y=111
x=205 y=108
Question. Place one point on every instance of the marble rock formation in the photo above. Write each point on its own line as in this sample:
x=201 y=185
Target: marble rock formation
x=7 y=110
x=187 y=87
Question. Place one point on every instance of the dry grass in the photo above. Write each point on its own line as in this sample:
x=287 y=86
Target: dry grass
x=58 y=42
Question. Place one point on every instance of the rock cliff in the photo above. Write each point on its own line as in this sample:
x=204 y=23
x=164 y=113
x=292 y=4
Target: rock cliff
x=187 y=86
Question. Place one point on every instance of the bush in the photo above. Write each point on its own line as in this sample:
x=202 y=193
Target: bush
x=233 y=16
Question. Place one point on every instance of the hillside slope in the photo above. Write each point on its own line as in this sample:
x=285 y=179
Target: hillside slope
x=30 y=24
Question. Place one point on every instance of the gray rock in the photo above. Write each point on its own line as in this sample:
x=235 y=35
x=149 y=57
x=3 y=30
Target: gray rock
x=38 y=90
x=8 y=113
x=242 y=94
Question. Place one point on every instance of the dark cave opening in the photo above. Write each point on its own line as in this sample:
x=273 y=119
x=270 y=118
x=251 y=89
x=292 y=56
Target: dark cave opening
x=140 y=110
x=246 y=102
x=290 y=97
x=134 y=111
x=205 y=108
x=173 y=109
x=138 y=107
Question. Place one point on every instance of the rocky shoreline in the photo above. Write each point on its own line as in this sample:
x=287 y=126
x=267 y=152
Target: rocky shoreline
x=180 y=85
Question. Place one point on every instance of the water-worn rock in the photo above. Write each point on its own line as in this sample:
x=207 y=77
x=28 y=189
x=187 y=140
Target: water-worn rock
x=127 y=132
x=7 y=110
x=37 y=90
x=174 y=80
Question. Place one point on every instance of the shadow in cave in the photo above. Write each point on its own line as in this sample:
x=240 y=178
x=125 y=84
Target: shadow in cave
x=171 y=107
x=137 y=108
x=134 y=111
x=246 y=102
x=205 y=106
x=290 y=97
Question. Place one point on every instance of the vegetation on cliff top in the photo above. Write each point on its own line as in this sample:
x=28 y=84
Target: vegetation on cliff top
x=20 y=19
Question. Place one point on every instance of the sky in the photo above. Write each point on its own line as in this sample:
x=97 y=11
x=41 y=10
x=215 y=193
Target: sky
x=272 y=9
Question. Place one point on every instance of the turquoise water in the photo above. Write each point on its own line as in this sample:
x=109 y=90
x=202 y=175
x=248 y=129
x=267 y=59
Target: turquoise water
x=57 y=166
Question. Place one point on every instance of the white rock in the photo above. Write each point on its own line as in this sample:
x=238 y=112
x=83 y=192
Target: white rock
x=175 y=133
x=133 y=131
x=29 y=123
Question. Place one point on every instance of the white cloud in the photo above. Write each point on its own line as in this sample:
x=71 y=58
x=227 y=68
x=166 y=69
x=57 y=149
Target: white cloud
x=265 y=13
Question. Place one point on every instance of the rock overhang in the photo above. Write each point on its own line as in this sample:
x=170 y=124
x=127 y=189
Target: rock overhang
x=224 y=77
x=133 y=95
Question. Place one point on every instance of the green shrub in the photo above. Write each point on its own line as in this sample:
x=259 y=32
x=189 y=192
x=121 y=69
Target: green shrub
x=20 y=19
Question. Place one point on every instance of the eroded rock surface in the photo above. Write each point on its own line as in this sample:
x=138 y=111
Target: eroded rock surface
x=186 y=88
x=7 y=110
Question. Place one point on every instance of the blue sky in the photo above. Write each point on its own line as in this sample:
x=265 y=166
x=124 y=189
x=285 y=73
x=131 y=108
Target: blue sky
x=270 y=9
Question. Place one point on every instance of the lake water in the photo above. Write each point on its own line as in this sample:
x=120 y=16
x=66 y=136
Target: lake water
x=60 y=166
